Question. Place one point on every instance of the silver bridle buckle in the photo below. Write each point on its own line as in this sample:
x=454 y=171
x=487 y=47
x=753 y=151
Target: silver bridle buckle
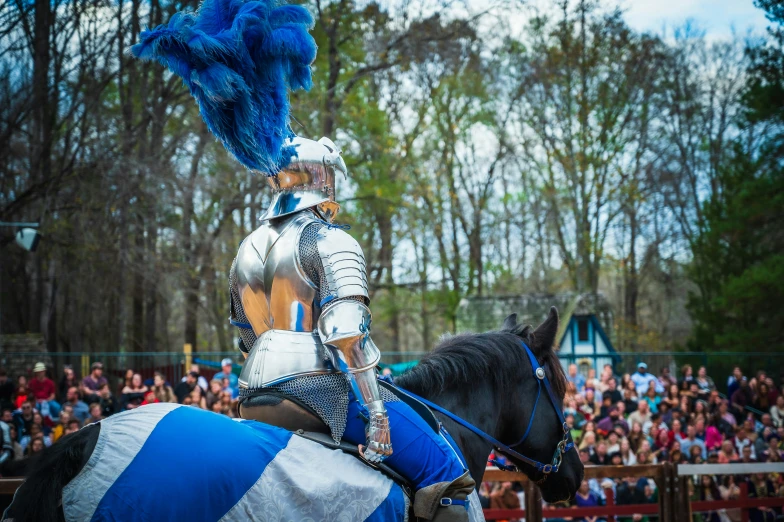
x=540 y=373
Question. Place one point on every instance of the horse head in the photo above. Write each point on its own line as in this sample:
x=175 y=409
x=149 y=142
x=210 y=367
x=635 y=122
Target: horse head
x=530 y=410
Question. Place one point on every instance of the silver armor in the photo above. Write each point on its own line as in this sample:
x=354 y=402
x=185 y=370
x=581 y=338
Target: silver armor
x=299 y=284
x=308 y=181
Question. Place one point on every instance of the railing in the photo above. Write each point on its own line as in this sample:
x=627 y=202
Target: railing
x=674 y=504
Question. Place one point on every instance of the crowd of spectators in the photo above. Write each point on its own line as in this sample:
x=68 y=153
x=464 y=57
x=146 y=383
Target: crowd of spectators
x=643 y=418
x=638 y=418
x=35 y=412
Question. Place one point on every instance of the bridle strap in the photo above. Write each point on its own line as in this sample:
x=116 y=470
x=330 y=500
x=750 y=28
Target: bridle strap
x=541 y=376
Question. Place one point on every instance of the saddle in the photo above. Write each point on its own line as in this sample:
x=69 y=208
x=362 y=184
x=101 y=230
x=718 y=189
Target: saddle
x=288 y=413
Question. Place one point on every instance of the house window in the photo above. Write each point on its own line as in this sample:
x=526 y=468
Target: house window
x=582 y=330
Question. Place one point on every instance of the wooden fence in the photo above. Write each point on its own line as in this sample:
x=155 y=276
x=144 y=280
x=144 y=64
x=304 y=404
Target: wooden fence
x=674 y=504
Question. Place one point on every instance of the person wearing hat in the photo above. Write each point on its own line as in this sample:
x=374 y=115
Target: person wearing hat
x=226 y=365
x=43 y=391
x=643 y=380
x=93 y=382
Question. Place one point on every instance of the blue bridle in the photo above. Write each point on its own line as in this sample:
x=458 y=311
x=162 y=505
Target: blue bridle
x=563 y=446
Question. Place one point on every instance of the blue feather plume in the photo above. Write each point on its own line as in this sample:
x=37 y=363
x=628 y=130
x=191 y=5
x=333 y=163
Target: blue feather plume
x=239 y=58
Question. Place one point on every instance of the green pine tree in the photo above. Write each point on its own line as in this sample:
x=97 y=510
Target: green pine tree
x=738 y=260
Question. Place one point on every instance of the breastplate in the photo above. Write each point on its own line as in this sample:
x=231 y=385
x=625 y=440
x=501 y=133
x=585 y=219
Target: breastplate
x=274 y=292
x=278 y=300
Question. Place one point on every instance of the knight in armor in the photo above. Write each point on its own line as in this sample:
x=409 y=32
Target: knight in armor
x=299 y=291
x=299 y=296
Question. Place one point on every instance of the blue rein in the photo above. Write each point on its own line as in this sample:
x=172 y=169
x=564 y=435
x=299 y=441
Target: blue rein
x=564 y=445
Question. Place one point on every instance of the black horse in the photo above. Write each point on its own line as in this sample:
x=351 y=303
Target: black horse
x=484 y=378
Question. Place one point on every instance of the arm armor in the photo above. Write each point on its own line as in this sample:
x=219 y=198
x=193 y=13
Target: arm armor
x=344 y=326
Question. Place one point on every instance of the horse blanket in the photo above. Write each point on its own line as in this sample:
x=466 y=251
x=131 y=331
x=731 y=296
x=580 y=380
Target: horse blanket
x=173 y=462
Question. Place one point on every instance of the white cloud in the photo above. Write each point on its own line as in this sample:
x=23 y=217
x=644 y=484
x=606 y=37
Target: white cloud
x=717 y=17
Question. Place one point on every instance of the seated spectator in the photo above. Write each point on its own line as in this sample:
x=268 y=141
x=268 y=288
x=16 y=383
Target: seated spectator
x=687 y=377
x=652 y=399
x=695 y=455
x=21 y=393
x=45 y=422
x=591 y=382
x=642 y=415
x=705 y=384
x=713 y=437
x=126 y=381
x=36 y=433
x=35 y=446
x=600 y=456
x=665 y=379
x=163 y=392
x=727 y=453
x=747 y=455
x=742 y=397
x=761 y=486
x=217 y=407
x=201 y=381
x=96 y=413
x=661 y=446
x=627 y=454
x=43 y=391
x=742 y=440
x=133 y=394
x=62 y=423
x=692 y=440
x=630 y=400
x=67 y=380
x=608 y=424
x=93 y=382
x=185 y=387
x=23 y=418
x=643 y=380
x=109 y=405
x=576 y=378
x=586 y=498
x=613 y=443
x=213 y=394
x=588 y=441
x=18 y=451
x=227 y=373
x=612 y=391
x=676 y=433
x=80 y=410
x=733 y=381
x=73 y=426
x=197 y=398
x=673 y=397
x=708 y=490
x=149 y=398
x=761 y=399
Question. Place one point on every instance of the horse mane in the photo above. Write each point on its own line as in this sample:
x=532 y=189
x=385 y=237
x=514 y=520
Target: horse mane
x=465 y=359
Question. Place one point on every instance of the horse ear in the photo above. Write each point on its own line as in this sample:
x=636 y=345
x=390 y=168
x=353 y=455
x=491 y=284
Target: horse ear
x=509 y=323
x=544 y=335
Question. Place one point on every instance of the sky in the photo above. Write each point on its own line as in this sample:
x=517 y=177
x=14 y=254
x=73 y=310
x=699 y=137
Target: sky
x=716 y=17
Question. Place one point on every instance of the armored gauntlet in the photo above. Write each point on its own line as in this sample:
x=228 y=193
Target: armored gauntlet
x=344 y=327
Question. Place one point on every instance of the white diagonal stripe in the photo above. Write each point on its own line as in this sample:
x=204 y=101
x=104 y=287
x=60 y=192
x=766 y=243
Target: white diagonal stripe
x=121 y=437
x=310 y=483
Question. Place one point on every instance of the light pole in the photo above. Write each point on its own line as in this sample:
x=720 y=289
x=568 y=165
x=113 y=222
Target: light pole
x=26 y=237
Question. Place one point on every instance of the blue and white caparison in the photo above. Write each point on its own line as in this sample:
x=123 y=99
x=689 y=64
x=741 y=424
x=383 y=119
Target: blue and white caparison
x=136 y=473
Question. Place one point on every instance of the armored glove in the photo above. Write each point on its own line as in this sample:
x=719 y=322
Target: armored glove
x=379 y=443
